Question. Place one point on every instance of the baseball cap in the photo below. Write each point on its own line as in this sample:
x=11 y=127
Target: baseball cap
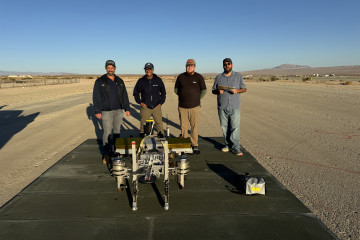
x=149 y=66
x=227 y=60
x=110 y=62
x=190 y=62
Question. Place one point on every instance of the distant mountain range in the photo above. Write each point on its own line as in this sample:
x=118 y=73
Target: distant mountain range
x=283 y=69
x=291 y=66
x=8 y=73
x=292 y=69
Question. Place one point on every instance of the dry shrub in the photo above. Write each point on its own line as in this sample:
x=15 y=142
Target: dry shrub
x=348 y=83
x=273 y=78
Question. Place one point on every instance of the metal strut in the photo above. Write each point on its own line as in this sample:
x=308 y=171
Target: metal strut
x=166 y=175
x=135 y=177
x=135 y=195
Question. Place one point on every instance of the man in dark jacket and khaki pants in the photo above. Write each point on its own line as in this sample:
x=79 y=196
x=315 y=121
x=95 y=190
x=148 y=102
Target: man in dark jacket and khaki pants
x=150 y=93
x=110 y=99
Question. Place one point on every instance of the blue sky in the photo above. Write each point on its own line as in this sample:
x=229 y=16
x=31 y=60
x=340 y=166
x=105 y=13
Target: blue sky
x=79 y=36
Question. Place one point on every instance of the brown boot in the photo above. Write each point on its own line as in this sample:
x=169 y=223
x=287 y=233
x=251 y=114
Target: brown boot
x=106 y=159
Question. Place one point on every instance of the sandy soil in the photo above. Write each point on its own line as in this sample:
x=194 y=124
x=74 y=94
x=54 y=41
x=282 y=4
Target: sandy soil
x=307 y=135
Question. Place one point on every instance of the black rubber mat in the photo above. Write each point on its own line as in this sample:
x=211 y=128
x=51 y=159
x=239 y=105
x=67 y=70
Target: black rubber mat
x=78 y=199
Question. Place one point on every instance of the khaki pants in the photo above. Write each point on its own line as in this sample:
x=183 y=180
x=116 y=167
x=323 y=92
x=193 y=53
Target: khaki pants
x=190 y=115
x=145 y=114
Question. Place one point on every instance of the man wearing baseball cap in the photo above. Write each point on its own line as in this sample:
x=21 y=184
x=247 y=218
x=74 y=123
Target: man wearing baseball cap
x=150 y=93
x=190 y=88
x=110 y=99
x=228 y=86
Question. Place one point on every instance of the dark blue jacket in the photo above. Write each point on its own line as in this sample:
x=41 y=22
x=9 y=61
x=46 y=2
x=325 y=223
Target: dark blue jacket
x=150 y=91
x=101 y=99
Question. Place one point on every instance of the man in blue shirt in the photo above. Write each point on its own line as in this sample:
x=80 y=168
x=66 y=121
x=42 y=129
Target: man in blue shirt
x=228 y=87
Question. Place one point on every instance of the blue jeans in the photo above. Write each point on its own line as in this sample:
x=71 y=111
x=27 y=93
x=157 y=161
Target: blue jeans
x=230 y=125
x=111 y=121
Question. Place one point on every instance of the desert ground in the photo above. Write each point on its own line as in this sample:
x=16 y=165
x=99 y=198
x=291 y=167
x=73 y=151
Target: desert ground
x=307 y=134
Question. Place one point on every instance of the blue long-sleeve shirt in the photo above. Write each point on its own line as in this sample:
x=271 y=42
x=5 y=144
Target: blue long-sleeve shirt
x=228 y=100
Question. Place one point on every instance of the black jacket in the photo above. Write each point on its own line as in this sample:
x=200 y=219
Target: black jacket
x=101 y=94
x=150 y=91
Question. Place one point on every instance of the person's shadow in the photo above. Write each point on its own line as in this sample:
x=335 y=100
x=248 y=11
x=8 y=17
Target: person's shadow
x=12 y=122
x=127 y=128
x=97 y=125
x=135 y=112
x=237 y=181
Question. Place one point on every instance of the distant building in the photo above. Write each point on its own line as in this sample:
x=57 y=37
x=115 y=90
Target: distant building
x=20 y=76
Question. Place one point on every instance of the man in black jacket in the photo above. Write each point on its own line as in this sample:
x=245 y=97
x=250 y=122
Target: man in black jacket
x=150 y=93
x=110 y=99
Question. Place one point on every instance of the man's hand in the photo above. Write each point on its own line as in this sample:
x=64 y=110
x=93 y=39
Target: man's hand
x=98 y=115
x=221 y=91
x=127 y=113
x=158 y=105
x=143 y=105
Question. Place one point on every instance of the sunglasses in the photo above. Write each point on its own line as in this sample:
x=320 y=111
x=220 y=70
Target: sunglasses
x=227 y=64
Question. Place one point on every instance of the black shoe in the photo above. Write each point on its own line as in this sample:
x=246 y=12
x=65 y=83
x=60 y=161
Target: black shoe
x=141 y=135
x=195 y=150
x=160 y=135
